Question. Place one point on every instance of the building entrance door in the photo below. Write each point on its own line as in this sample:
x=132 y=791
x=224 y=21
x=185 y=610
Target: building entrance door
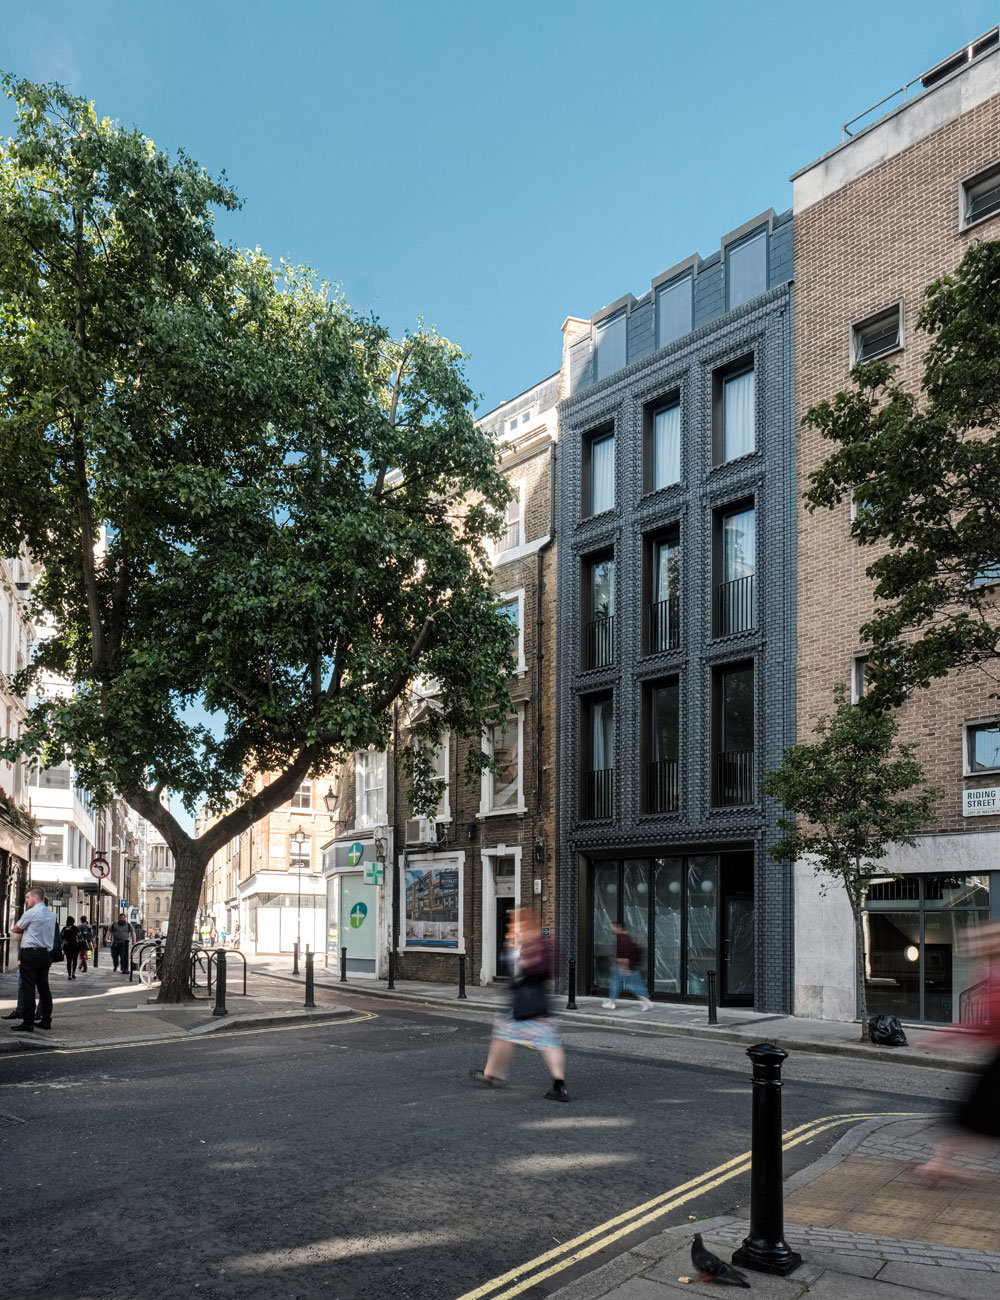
x=358 y=922
x=504 y=908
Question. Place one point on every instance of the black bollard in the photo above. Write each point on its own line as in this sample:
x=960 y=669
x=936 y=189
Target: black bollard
x=97 y=944
x=343 y=965
x=765 y=1249
x=461 y=977
x=220 y=987
x=571 y=990
x=713 y=1009
x=310 y=991
x=392 y=970
x=295 y=957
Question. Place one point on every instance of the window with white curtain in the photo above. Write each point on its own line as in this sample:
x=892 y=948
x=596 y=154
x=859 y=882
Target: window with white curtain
x=666 y=446
x=738 y=415
x=369 y=788
x=602 y=474
x=609 y=345
x=739 y=545
x=602 y=734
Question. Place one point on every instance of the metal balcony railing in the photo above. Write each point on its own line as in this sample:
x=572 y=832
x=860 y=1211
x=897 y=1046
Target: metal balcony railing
x=664 y=625
x=510 y=538
x=599 y=638
x=735 y=608
x=734 y=778
x=599 y=794
x=661 y=786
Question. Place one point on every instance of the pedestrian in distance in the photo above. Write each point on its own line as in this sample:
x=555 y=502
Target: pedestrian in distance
x=71 y=943
x=527 y=962
x=86 y=941
x=624 y=971
x=36 y=933
x=119 y=936
x=977 y=1117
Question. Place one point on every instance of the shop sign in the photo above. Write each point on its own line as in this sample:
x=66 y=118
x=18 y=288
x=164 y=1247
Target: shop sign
x=984 y=802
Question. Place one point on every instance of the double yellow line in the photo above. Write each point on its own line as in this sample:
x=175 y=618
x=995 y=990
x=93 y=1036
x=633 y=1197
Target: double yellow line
x=588 y=1243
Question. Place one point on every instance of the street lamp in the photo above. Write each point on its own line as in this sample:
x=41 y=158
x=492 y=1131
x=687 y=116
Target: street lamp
x=298 y=841
x=331 y=800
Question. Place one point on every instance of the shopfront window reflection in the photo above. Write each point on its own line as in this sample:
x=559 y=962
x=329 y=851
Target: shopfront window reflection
x=667 y=925
x=702 y=921
x=917 y=965
x=605 y=913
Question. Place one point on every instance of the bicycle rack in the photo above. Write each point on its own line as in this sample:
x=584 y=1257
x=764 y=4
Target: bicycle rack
x=212 y=954
x=133 y=964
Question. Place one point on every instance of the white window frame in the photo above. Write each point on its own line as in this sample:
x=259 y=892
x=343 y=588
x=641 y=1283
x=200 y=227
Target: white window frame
x=298 y=808
x=509 y=598
x=968 y=183
x=501 y=552
x=873 y=318
x=486 y=808
x=967 y=727
x=444 y=812
x=361 y=761
x=521 y=420
x=858 y=663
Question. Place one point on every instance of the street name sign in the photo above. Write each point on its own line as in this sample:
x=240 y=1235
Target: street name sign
x=984 y=802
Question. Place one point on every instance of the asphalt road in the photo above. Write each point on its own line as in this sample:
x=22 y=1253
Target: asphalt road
x=355 y=1160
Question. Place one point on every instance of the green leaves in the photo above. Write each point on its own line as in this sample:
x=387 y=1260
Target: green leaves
x=243 y=495
x=848 y=789
x=924 y=475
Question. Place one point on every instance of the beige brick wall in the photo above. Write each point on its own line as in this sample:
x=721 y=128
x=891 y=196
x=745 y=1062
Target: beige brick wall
x=883 y=237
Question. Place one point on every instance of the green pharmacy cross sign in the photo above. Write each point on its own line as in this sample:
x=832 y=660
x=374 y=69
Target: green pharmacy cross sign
x=355 y=853
x=373 y=873
x=358 y=913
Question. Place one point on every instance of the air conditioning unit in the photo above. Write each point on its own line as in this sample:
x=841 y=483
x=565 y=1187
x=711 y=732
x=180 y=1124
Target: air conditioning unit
x=421 y=830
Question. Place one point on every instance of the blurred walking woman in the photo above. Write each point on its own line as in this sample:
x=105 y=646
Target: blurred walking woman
x=72 y=942
x=527 y=957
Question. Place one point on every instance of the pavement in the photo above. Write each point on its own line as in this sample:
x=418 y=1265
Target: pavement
x=101 y=1008
x=866 y=1226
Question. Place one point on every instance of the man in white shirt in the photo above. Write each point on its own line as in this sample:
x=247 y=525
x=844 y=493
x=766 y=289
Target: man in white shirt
x=36 y=931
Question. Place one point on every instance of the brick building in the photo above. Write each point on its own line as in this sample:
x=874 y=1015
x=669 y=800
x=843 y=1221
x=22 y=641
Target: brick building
x=677 y=623
x=877 y=218
x=492 y=846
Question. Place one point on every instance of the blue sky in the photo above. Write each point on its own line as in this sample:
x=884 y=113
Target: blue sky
x=490 y=167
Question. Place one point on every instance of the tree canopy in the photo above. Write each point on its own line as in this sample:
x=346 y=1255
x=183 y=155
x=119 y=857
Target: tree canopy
x=848 y=789
x=924 y=471
x=244 y=497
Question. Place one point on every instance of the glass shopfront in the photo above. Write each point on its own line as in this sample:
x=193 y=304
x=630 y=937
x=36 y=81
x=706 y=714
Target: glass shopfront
x=688 y=915
x=916 y=963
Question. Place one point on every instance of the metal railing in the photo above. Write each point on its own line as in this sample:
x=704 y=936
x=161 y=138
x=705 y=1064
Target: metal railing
x=599 y=641
x=510 y=538
x=664 y=625
x=661 y=786
x=735 y=609
x=734 y=778
x=599 y=794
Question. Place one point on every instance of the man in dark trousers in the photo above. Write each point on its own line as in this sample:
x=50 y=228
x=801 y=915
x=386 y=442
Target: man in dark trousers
x=120 y=935
x=36 y=931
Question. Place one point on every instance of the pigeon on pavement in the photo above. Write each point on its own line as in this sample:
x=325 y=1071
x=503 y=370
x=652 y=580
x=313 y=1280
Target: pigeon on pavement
x=713 y=1269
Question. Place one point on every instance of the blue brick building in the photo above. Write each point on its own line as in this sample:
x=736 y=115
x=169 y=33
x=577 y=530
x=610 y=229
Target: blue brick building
x=676 y=624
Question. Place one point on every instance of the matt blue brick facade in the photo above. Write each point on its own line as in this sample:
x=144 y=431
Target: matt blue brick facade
x=688 y=367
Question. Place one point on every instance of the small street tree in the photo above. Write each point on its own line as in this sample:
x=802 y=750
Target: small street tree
x=847 y=793
x=259 y=518
x=924 y=476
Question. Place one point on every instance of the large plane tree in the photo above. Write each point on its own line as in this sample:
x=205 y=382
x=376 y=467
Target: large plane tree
x=258 y=517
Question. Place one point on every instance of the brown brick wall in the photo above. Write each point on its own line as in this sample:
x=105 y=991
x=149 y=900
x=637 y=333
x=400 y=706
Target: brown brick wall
x=883 y=237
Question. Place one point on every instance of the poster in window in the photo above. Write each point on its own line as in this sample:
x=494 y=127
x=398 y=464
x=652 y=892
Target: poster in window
x=431 y=907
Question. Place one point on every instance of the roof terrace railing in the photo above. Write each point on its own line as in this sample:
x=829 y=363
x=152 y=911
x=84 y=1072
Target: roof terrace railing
x=953 y=63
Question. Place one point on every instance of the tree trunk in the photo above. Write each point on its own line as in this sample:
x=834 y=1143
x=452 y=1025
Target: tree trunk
x=189 y=874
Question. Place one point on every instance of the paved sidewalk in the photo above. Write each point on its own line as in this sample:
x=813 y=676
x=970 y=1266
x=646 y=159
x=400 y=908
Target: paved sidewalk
x=103 y=1008
x=735 y=1025
x=864 y=1224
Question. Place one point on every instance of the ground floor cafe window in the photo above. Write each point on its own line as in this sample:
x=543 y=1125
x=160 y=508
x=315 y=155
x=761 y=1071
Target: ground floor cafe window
x=916 y=963
x=688 y=915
